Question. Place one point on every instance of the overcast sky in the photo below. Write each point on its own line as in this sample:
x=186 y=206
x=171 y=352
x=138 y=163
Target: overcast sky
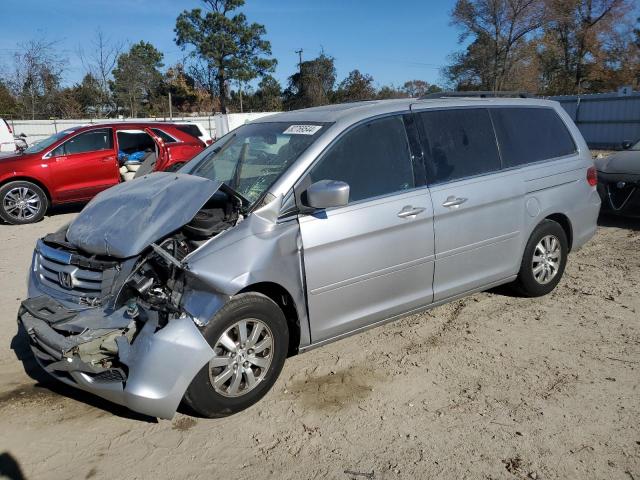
x=393 y=41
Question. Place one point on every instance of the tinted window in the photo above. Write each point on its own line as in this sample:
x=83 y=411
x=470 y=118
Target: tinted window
x=92 y=141
x=373 y=159
x=164 y=135
x=528 y=135
x=458 y=143
x=192 y=130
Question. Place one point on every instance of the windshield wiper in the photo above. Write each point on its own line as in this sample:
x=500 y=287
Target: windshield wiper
x=245 y=202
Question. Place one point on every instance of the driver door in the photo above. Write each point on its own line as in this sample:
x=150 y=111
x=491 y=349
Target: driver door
x=84 y=165
x=373 y=258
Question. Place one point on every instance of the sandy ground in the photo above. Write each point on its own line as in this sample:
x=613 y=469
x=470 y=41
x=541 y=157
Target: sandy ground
x=491 y=386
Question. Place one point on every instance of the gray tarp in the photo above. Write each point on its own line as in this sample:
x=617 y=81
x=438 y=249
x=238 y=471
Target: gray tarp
x=123 y=220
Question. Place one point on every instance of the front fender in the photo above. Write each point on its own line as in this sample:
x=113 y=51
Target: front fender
x=258 y=250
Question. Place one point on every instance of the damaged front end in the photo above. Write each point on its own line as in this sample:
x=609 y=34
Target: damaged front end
x=118 y=318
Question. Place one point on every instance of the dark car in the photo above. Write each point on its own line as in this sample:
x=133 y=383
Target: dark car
x=76 y=164
x=619 y=180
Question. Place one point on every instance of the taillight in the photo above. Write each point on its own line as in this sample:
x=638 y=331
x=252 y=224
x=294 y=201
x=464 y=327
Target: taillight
x=592 y=176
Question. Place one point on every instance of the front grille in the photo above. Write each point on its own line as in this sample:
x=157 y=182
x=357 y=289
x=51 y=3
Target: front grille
x=55 y=271
x=109 y=376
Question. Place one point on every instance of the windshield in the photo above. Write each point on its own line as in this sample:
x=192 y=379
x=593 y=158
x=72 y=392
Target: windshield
x=252 y=157
x=47 y=142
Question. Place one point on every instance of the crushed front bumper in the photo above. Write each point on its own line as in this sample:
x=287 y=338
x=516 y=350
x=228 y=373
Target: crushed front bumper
x=152 y=372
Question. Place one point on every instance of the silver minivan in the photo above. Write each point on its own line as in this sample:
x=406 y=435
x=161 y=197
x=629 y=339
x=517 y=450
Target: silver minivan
x=299 y=229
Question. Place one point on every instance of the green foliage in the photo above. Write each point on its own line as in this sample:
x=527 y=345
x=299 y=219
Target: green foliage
x=268 y=97
x=312 y=85
x=8 y=103
x=227 y=46
x=137 y=78
x=419 y=88
x=356 y=87
x=387 y=92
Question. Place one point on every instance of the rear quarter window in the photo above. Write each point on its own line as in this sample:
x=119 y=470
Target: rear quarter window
x=192 y=130
x=528 y=135
x=164 y=135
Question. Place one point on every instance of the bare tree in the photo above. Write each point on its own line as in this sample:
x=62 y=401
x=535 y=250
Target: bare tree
x=99 y=63
x=38 y=68
x=574 y=39
x=498 y=28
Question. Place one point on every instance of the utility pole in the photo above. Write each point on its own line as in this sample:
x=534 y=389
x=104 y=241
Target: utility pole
x=299 y=52
x=170 y=107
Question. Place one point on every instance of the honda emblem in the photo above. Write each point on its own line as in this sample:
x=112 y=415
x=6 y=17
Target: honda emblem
x=65 y=279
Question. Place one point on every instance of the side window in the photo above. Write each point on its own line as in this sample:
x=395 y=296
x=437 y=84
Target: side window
x=372 y=158
x=527 y=135
x=92 y=141
x=164 y=135
x=458 y=143
x=132 y=141
x=192 y=130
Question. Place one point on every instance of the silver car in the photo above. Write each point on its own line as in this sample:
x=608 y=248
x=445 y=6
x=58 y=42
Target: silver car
x=297 y=230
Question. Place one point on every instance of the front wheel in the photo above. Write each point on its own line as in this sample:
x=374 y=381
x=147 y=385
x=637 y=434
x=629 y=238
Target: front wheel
x=544 y=260
x=22 y=202
x=250 y=339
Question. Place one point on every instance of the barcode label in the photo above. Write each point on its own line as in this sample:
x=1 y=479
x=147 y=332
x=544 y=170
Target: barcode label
x=302 y=129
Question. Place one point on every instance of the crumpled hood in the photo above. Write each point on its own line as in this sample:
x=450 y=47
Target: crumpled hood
x=123 y=220
x=627 y=161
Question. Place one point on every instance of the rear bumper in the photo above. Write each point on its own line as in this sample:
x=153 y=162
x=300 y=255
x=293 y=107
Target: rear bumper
x=150 y=374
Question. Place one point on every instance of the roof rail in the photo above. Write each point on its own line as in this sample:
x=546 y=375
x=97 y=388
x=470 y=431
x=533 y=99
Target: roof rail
x=477 y=94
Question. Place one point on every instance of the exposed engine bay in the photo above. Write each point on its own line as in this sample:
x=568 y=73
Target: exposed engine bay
x=118 y=299
x=97 y=306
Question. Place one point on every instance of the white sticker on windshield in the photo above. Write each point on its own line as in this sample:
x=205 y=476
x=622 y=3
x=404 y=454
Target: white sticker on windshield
x=302 y=129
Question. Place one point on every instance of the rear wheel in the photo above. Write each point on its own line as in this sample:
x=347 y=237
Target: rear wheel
x=544 y=260
x=22 y=202
x=250 y=339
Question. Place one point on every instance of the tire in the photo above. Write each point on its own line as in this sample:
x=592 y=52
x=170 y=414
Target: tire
x=214 y=399
x=532 y=280
x=22 y=202
x=175 y=167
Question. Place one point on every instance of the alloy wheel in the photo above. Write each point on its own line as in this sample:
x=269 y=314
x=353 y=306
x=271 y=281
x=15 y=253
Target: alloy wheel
x=243 y=354
x=546 y=259
x=21 y=203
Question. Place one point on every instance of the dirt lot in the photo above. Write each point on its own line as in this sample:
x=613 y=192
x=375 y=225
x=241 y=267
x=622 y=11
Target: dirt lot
x=491 y=386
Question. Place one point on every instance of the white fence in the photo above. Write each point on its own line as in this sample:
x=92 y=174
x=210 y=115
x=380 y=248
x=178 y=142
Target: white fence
x=216 y=125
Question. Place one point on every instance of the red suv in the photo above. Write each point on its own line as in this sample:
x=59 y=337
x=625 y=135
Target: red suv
x=76 y=164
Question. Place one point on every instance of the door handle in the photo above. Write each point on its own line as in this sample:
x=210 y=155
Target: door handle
x=454 y=202
x=410 y=211
x=107 y=159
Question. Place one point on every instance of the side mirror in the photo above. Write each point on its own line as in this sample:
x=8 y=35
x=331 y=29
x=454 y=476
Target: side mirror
x=627 y=145
x=327 y=193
